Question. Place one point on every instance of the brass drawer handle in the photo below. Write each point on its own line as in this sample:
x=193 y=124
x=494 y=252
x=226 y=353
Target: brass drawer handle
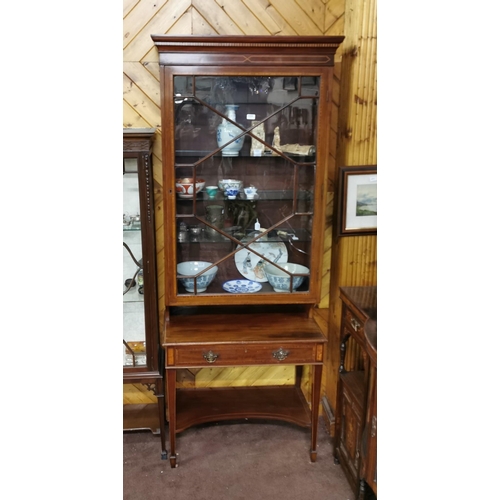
x=280 y=354
x=210 y=356
x=355 y=324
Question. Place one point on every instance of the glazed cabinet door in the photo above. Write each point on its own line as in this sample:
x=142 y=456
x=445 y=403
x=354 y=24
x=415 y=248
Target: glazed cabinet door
x=247 y=208
x=140 y=317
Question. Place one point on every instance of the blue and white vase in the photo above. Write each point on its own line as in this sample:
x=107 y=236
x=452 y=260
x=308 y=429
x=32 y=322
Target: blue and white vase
x=226 y=131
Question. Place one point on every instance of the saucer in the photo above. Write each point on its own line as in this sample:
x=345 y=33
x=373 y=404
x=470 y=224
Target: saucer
x=241 y=286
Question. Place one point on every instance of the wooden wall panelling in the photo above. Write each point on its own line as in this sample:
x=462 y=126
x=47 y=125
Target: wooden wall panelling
x=158 y=17
x=334 y=17
x=354 y=258
x=299 y=19
x=358 y=114
x=134 y=394
x=269 y=17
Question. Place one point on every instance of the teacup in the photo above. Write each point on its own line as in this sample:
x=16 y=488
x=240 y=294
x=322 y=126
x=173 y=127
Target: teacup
x=211 y=191
x=250 y=192
x=231 y=193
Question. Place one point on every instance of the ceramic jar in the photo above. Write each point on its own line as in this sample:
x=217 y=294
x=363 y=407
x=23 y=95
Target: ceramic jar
x=226 y=132
x=215 y=216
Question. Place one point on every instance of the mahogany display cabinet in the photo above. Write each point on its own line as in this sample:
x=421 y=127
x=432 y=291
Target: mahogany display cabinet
x=355 y=446
x=142 y=354
x=245 y=147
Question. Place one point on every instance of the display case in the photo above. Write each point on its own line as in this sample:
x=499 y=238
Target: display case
x=355 y=424
x=142 y=356
x=246 y=123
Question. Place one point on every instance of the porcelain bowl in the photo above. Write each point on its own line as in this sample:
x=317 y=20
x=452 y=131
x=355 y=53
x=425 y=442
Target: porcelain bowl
x=231 y=193
x=211 y=191
x=191 y=268
x=184 y=186
x=225 y=184
x=280 y=280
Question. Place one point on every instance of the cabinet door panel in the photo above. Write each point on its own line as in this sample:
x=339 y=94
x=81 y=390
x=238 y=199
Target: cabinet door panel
x=350 y=437
x=245 y=132
x=134 y=331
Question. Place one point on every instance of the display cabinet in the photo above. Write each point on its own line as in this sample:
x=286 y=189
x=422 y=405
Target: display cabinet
x=245 y=123
x=369 y=444
x=355 y=422
x=142 y=355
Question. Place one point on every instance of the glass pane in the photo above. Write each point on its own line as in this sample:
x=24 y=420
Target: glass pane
x=245 y=175
x=134 y=339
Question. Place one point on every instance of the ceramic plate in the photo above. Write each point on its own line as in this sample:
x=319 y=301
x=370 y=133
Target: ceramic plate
x=251 y=265
x=241 y=286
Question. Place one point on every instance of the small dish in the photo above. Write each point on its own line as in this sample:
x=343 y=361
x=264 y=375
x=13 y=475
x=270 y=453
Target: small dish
x=241 y=286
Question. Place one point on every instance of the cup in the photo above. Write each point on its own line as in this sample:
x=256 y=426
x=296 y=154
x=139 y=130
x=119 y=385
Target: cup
x=231 y=193
x=211 y=191
x=250 y=192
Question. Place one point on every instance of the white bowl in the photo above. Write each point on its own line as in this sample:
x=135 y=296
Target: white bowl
x=230 y=183
x=192 y=268
x=280 y=280
x=184 y=186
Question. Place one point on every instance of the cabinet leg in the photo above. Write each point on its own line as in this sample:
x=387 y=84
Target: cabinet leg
x=315 y=397
x=362 y=490
x=160 y=395
x=171 y=401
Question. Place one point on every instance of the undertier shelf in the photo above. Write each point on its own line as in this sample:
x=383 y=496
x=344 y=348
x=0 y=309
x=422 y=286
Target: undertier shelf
x=197 y=406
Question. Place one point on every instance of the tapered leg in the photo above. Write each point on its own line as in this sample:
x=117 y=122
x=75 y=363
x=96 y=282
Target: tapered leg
x=160 y=395
x=315 y=396
x=171 y=401
x=362 y=490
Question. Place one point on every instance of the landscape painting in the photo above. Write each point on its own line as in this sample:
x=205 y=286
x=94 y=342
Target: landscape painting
x=357 y=211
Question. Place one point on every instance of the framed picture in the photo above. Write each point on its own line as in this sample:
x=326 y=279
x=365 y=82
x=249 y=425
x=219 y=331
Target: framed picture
x=357 y=211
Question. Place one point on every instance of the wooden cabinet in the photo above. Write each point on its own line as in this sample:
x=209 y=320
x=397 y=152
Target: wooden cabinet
x=369 y=448
x=245 y=146
x=355 y=422
x=142 y=356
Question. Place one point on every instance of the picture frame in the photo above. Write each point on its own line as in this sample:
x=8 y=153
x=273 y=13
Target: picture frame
x=357 y=193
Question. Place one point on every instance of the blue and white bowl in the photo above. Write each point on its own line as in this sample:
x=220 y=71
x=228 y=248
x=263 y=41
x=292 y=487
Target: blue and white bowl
x=231 y=193
x=192 y=268
x=280 y=280
x=230 y=183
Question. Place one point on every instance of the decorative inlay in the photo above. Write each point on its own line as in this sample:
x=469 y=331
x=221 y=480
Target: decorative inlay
x=170 y=356
x=319 y=352
x=247 y=44
x=148 y=187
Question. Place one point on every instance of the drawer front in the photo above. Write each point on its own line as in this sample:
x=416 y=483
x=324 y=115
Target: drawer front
x=244 y=354
x=354 y=324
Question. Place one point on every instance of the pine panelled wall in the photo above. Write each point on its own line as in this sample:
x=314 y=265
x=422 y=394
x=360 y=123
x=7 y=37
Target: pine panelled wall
x=347 y=261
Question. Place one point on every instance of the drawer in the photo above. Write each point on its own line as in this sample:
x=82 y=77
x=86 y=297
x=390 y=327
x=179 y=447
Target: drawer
x=353 y=323
x=243 y=354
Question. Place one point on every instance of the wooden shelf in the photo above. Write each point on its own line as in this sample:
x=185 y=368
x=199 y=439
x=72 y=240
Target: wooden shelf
x=197 y=406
